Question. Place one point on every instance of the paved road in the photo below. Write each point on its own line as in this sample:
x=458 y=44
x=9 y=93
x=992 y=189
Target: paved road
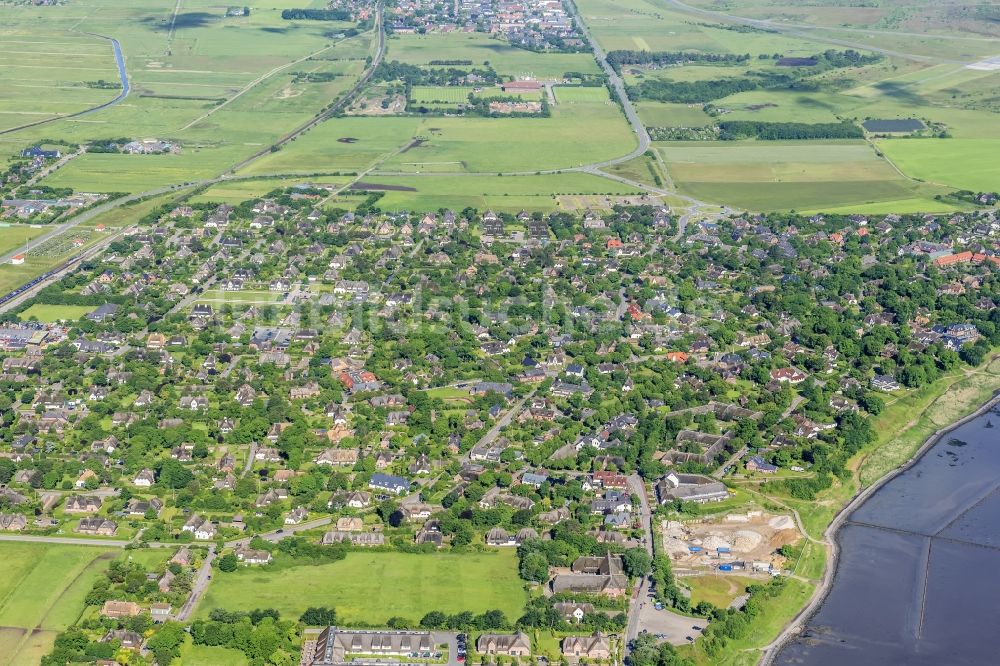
x=288 y=530
x=501 y=423
x=619 y=86
x=199 y=586
x=70 y=541
x=638 y=488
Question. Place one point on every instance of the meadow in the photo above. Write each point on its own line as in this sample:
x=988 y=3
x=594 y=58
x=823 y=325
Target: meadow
x=48 y=78
x=507 y=193
x=237 y=191
x=367 y=588
x=970 y=164
x=14 y=236
x=789 y=174
x=42 y=593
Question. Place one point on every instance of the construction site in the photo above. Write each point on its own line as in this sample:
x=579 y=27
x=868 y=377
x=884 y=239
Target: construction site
x=743 y=543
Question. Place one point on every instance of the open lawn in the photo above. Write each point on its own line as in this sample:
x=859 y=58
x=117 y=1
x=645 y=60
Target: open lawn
x=370 y=587
x=774 y=614
x=206 y=655
x=52 y=313
x=718 y=590
x=42 y=591
x=14 y=236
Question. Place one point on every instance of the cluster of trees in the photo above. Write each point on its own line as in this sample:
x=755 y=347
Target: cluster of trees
x=490 y=620
x=412 y=75
x=481 y=106
x=541 y=614
x=689 y=92
x=260 y=634
x=732 y=130
x=316 y=14
x=660 y=58
x=732 y=624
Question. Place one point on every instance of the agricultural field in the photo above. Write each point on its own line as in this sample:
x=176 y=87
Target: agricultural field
x=47 y=78
x=490 y=145
x=456 y=145
x=236 y=191
x=509 y=193
x=367 y=588
x=962 y=163
x=221 y=88
x=42 y=593
x=788 y=175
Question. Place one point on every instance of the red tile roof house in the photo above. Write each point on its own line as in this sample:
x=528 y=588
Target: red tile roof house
x=790 y=375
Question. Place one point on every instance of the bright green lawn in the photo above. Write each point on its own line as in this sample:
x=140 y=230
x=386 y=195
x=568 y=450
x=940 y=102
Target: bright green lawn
x=371 y=587
x=51 y=313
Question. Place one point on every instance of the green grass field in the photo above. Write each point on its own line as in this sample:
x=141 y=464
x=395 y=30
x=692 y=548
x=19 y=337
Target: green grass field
x=14 y=236
x=789 y=174
x=509 y=193
x=970 y=164
x=369 y=588
x=42 y=593
x=719 y=590
x=206 y=655
x=663 y=114
x=61 y=67
x=52 y=313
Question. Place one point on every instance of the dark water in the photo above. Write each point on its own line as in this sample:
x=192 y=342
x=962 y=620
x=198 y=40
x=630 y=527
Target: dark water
x=918 y=581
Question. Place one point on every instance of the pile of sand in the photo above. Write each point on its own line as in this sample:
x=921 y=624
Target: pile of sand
x=674 y=546
x=714 y=541
x=674 y=529
x=782 y=523
x=746 y=540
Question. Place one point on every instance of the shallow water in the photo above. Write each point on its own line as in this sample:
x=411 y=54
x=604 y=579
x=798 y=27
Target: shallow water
x=918 y=581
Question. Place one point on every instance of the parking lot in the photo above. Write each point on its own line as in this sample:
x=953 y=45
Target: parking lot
x=667 y=625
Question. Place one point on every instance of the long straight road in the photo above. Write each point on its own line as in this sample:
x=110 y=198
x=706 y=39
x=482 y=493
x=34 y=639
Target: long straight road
x=619 y=86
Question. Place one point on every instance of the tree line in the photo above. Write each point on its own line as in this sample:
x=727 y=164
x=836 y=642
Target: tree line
x=632 y=57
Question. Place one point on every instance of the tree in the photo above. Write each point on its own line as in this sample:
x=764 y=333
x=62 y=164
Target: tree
x=434 y=620
x=534 y=567
x=319 y=616
x=7 y=469
x=228 y=563
x=637 y=562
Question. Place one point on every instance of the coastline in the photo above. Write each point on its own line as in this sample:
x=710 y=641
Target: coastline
x=830 y=534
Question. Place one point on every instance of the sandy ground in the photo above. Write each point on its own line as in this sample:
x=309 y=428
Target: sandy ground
x=749 y=537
